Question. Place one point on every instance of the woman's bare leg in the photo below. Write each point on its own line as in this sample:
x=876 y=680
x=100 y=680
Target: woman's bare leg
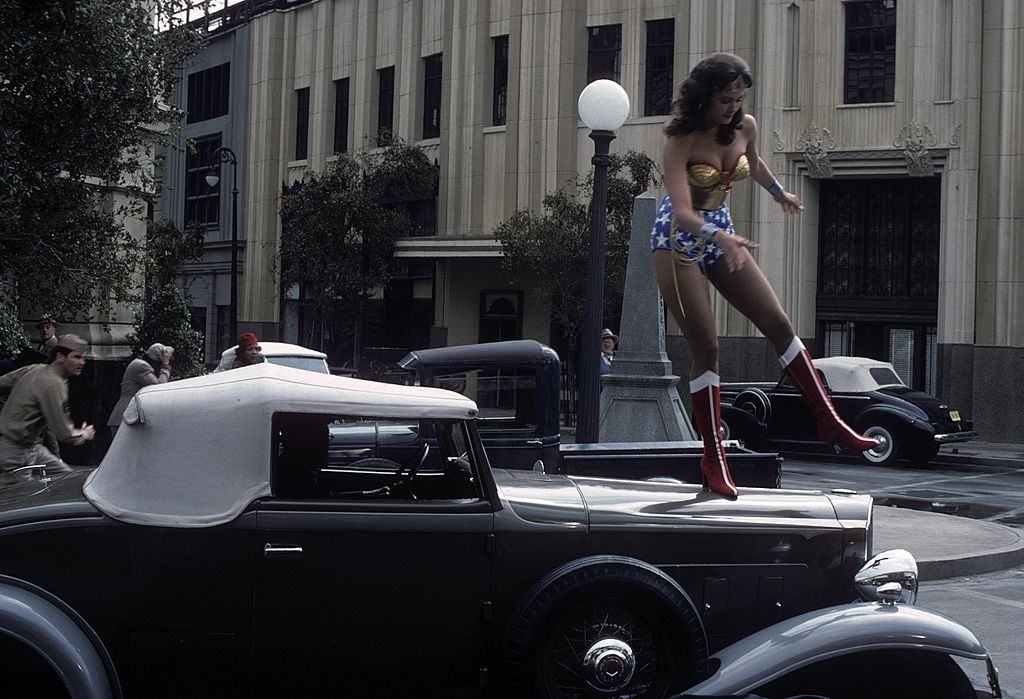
x=749 y=292
x=684 y=290
x=685 y=293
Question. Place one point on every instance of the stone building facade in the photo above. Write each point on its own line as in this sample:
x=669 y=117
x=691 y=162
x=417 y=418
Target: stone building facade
x=892 y=119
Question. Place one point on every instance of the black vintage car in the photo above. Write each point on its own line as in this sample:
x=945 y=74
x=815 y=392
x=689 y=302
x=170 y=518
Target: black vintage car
x=869 y=396
x=224 y=548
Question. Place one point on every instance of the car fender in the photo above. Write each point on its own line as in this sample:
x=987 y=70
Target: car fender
x=42 y=622
x=882 y=413
x=829 y=633
x=742 y=423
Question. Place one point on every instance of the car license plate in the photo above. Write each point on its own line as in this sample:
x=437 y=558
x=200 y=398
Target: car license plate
x=954 y=415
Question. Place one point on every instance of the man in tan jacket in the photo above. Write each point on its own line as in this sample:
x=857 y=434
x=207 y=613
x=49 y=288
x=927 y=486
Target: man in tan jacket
x=36 y=402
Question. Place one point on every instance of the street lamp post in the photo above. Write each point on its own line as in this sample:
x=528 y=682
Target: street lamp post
x=603 y=107
x=226 y=155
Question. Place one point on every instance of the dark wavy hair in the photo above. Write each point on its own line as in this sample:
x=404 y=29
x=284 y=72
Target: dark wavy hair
x=690 y=109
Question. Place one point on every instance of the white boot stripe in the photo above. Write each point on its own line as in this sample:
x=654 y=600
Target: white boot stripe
x=708 y=378
x=795 y=347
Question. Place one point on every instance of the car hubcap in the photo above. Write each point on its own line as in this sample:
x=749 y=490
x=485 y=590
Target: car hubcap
x=608 y=665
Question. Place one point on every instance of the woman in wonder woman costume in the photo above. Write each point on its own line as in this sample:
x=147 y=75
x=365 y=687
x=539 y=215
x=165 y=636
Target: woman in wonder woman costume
x=710 y=144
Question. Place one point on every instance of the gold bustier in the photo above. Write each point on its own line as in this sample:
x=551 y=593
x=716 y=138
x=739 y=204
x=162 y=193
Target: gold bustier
x=709 y=185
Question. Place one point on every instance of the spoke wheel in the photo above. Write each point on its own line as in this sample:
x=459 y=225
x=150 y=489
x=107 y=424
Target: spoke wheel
x=565 y=671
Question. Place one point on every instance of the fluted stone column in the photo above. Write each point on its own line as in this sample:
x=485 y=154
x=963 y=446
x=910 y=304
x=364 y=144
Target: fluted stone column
x=640 y=402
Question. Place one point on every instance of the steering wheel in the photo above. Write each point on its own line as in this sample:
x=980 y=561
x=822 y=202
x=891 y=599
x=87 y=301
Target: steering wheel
x=413 y=464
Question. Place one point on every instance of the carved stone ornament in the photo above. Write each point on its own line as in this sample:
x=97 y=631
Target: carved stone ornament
x=777 y=141
x=914 y=140
x=954 y=140
x=816 y=151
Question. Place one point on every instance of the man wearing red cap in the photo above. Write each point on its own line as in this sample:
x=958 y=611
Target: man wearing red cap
x=248 y=351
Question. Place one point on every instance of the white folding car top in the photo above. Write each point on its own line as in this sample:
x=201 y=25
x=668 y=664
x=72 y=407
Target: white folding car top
x=857 y=374
x=150 y=477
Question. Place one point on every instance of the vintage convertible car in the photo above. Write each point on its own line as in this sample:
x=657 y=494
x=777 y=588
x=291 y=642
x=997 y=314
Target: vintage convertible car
x=868 y=394
x=222 y=548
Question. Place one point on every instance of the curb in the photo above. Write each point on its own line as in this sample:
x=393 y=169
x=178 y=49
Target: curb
x=978 y=460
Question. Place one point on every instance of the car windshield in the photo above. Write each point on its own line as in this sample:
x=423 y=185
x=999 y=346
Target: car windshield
x=308 y=363
x=885 y=376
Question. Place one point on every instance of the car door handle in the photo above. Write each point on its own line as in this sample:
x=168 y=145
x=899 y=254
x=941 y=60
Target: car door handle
x=271 y=550
x=534 y=443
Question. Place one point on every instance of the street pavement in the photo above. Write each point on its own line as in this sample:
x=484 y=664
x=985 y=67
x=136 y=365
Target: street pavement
x=962 y=517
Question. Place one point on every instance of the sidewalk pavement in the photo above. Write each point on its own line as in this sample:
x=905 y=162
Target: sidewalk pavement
x=946 y=546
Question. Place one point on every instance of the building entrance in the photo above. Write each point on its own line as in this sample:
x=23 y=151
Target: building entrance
x=878 y=273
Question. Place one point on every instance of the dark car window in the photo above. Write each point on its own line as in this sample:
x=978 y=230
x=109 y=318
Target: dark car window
x=507 y=398
x=787 y=382
x=327 y=457
x=884 y=376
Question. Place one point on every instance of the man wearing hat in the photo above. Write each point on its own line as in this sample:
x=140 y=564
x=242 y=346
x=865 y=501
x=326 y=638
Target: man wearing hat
x=36 y=409
x=608 y=340
x=248 y=352
x=47 y=327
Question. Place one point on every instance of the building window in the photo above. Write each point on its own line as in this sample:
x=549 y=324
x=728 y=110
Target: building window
x=658 y=67
x=341 y=115
x=604 y=55
x=385 y=104
x=870 y=74
x=302 y=123
x=501 y=316
x=499 y=99
x=208 y=93
x=202 y=202
x=432 y=96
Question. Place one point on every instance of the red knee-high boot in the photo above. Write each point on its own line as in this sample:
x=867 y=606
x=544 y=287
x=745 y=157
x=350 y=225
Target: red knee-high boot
x=708 y=415
x=831 y=428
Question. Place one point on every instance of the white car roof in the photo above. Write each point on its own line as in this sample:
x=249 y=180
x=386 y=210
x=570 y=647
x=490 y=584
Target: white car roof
x=853 y=374
x=279 y=349
x=196 y=452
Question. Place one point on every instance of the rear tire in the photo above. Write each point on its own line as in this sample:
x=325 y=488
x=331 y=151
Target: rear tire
x=908 y=674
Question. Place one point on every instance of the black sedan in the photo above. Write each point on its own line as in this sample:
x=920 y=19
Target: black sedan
x=227 y=547
x=869 y=396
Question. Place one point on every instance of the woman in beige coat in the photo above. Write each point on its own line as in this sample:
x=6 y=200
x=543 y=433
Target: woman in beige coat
x=153 y=367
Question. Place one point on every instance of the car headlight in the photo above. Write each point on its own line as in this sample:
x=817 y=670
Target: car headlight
x=894 y=566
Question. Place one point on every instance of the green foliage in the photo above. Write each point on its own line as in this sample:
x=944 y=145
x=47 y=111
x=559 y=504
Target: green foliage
x=338 y=230
x=165 y=318
x=82 y=84
x=167 y=248
x=554 y=243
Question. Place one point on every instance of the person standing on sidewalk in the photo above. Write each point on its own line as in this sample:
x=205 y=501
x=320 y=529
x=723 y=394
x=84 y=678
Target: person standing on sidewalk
x=47 y=328
x=153 y=367
x=608 y=340
x=36 y=406
x=710 y=145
